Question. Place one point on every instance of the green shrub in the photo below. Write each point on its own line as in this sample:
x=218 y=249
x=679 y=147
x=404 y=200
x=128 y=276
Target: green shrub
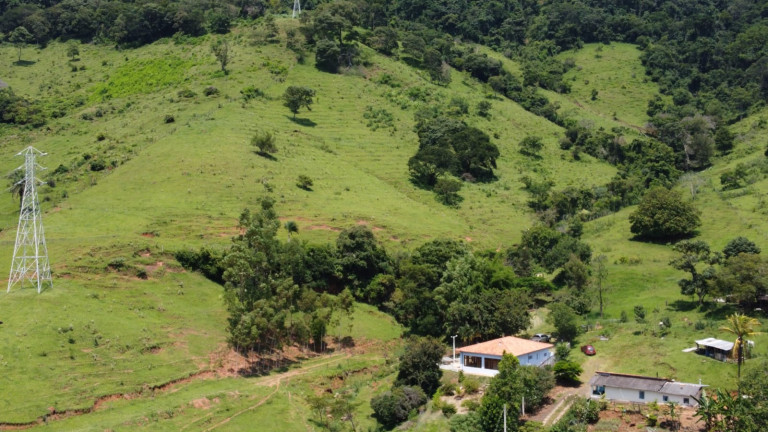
x=211 y=91
x=169 y=118
x=395 y=406
x=471 y=404
x=98 y=165
x=567 y=371
x=304 y=182
x=251 y=92
x=471 y=385
x=448 y=410
x=448 y=389
x=186 y=93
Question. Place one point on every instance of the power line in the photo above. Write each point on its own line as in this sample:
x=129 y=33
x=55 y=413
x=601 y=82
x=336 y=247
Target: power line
x=30 y=253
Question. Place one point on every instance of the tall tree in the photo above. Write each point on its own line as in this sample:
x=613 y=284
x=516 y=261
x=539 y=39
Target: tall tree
x=419 y=364
x=663 y=215
x=693 y=254
x=506 y=388
x=20 y=36
x=220 y=49
x=296 y=97
x=601 y=273
x=742 y=326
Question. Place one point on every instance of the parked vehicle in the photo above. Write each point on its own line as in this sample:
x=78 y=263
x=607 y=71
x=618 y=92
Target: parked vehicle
x=588 y=350
x=540 y=337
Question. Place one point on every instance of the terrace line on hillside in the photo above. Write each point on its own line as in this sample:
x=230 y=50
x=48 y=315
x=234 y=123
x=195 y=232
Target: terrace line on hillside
x=483 y=358
x=643 y=389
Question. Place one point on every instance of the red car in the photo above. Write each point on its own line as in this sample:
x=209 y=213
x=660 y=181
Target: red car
x=588 y=350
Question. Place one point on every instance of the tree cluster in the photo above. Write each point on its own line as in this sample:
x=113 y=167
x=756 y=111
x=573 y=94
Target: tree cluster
x=279 y=290
x=743 y=410
x=448 y=146
x=418 y=377
x=17 y=110
x=738 y=273
x=123 y=22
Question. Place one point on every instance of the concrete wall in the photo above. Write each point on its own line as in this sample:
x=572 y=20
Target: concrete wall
x=627 y=395
x=536 y=358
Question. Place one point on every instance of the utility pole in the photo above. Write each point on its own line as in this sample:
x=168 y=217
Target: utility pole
x=30 y=254
x=454 y=349
x=296 y=8
x=505 y=417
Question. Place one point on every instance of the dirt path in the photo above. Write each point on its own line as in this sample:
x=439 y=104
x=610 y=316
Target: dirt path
x=564 y=396
x=275 y=381
x=270 y=380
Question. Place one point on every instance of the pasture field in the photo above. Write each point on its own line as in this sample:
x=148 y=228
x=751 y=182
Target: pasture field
x=126 y=326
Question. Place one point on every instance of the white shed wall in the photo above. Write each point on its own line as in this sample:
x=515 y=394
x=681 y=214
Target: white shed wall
x=627 y=395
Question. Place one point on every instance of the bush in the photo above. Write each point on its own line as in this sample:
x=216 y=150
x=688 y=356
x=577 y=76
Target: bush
x=562 y=351
x=266 y=143
x=471 y=404
x=471 y=385
x=393 y=407
x=186 y=93
x=211 y=91
x=639 y=313
x=484 y=109
x=304 y=182
x=251 y=92
x=567 y=371
x=448 y=389
x=98 y=165
x=169 y=118
x=448 y=410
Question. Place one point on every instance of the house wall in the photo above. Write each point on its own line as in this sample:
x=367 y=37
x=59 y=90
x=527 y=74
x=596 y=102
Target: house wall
x=629 y=395
x=536 y=358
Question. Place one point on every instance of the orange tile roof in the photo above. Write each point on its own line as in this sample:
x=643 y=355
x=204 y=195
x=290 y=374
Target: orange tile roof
x=508 y=344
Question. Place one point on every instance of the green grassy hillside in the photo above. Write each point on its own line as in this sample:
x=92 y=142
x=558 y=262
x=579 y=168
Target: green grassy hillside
x=102 y=330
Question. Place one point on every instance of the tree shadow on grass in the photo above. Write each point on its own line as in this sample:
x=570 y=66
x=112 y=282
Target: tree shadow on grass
x=302 y=121
x=719 y=311
x=264 y=366
x=24 y=63
x=266 y=156
x=683 y=305
x=666 y=241
x=410 y=61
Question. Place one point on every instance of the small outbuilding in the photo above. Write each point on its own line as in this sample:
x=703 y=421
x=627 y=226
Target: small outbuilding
x=715 y=348
x=483 y=358
x=643 y=389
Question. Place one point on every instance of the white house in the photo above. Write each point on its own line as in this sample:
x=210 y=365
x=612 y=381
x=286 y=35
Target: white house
x=643 y=389
x=483 y=358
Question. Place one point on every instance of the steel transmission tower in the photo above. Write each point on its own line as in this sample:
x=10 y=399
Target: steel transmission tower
x=296 y=8
x=30 y=254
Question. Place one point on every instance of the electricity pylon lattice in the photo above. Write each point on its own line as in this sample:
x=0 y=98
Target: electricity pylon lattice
x=30 y=254
x=296 y=8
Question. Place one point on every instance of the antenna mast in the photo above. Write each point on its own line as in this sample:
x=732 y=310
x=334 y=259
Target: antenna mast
x=296 y=8
x=30 y=254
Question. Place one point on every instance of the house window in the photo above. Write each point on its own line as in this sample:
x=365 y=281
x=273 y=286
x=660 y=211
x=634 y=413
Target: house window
x=686 y=401
x=473 y=361
x=492 y=363
x=642 y=395
x=530 y=357
x=666 y=398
